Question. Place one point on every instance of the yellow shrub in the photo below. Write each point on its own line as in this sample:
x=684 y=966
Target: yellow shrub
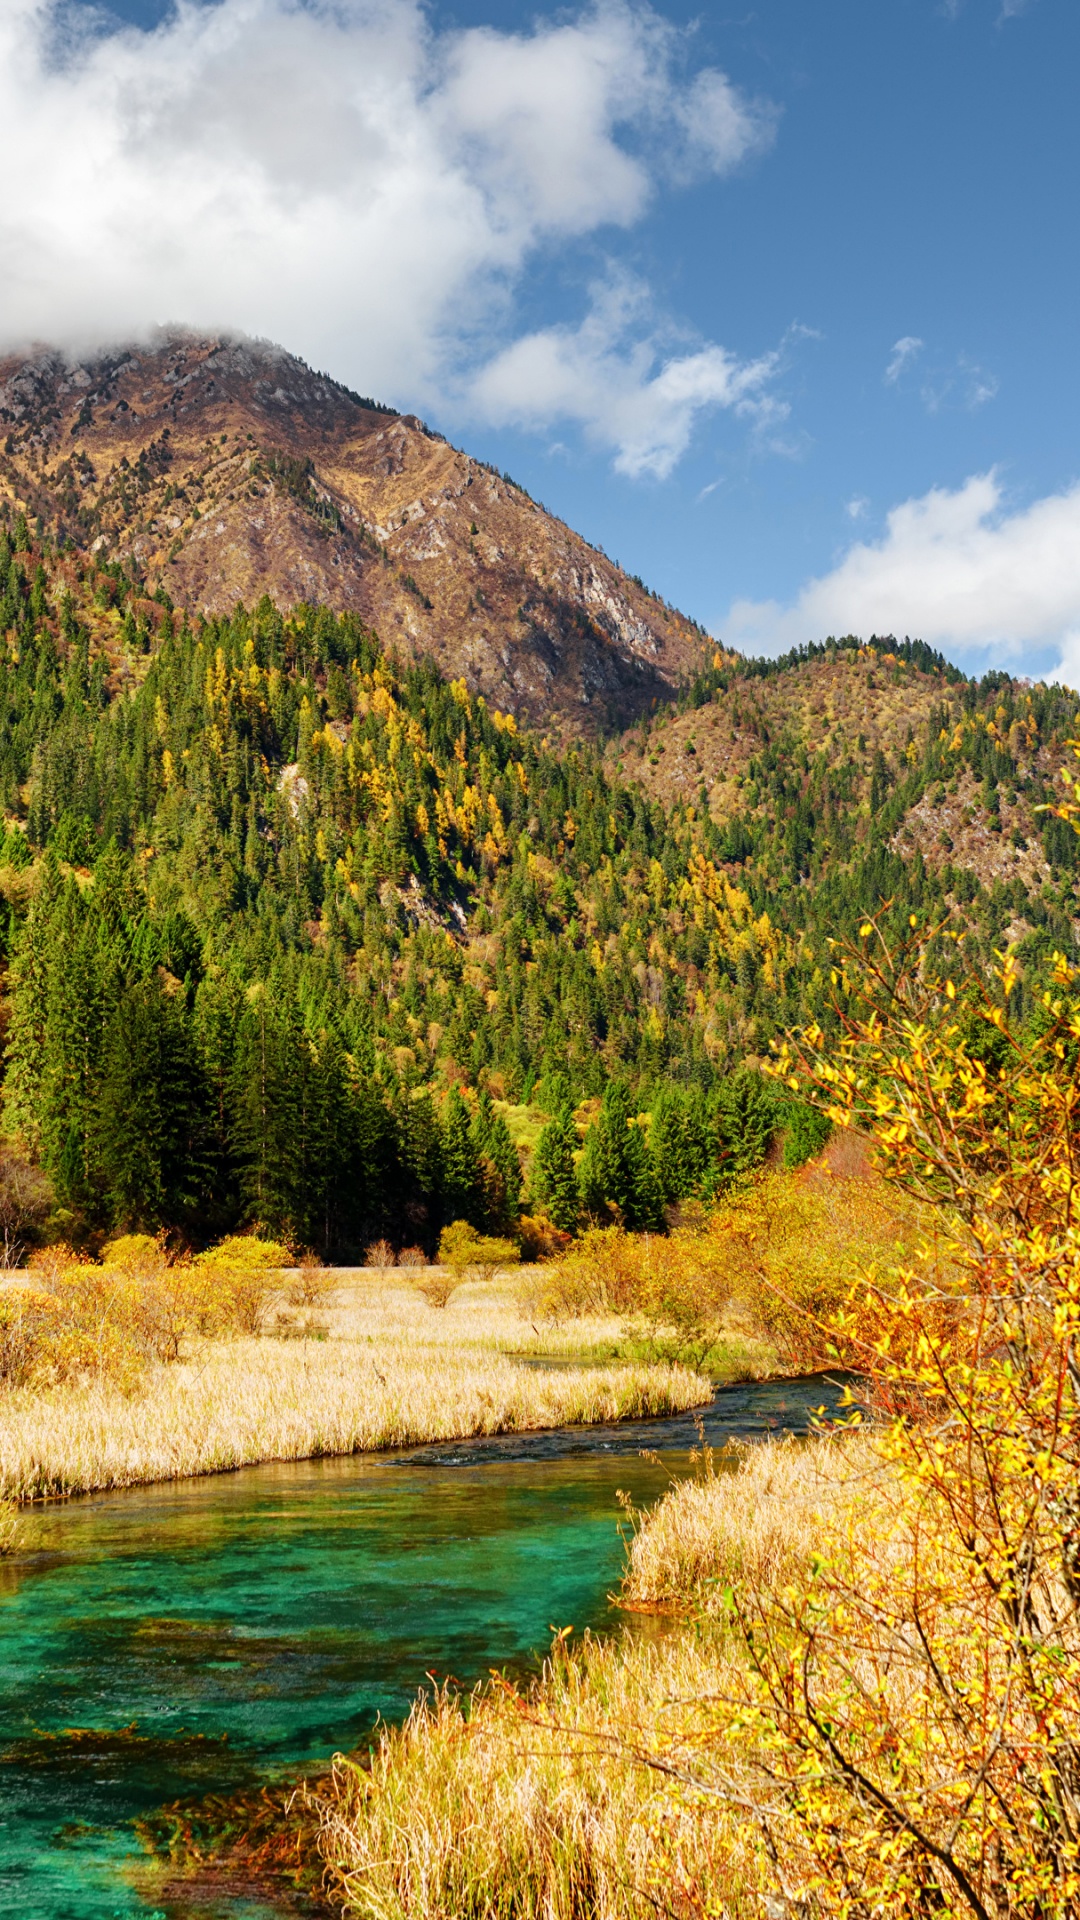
x=28 y=1320
x=677 y=1285
x=464 y=1250
x=242 y=1277
x=241 y=1249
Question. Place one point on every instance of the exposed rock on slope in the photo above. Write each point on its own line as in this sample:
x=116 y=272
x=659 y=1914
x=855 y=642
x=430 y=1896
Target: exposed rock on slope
x=224 y=469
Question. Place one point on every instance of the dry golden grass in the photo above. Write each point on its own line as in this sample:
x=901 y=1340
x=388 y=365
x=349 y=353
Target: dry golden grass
x=9 y=1526
x=498 y=1316
x=245 y=1400
x=540 y=1809
x=752 y=1524
x=505 y=1315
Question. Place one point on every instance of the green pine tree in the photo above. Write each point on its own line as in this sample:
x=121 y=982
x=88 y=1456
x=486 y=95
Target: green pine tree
x=500 y=1168
x=616 y=1173
x=554 y=1172
x=462 y=1184
x=745 y=1122
x=148 y=1134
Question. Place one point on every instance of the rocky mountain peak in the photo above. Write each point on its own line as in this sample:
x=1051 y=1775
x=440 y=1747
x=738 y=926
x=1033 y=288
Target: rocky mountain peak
x=223 y=468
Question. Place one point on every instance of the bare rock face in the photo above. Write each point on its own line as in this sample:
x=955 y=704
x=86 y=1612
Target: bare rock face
x=223 y=469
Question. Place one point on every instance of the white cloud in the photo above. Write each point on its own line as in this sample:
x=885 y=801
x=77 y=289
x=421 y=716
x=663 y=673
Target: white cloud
x=980 y=386
x=903 y=353
x=611 y=377
x=956 y=569
x=945 y=384
x=720 y=126
x=964 y=384
x=336 y=174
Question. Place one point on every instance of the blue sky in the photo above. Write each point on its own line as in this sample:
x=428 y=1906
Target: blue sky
x=776 y=302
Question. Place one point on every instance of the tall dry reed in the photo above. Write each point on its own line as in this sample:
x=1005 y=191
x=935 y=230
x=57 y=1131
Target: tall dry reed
x=247 y=1400
x=9 y=1526
x=542 y=1808
x=751 y=1519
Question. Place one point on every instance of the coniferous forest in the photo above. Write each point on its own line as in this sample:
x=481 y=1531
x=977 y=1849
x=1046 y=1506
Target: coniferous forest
x=299 y=934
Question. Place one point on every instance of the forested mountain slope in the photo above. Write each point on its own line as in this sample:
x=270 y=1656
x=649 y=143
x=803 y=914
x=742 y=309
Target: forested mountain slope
x=808 y=761
x=293 y=932
x=223 y=468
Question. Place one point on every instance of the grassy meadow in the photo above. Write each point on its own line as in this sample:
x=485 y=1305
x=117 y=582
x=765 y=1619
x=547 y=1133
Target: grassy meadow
x=373 y=1366
x=138 y=1367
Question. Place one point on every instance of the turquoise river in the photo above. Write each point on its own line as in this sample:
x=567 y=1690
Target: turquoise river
x=206 y=1636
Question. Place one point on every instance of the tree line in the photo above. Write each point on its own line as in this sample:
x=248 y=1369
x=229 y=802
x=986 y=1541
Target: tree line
x=287 y=921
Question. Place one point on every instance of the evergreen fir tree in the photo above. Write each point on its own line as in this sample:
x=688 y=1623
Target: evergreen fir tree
x=414 y=1196
x=500 y=1168
x=267 y=1094
x=554 y=1173
x=680 y=1142
x=616 y=1172
x=668 y=1149
x=463 y=1196
x=28 y=1028
x=746 y=1122
x=147 y=1139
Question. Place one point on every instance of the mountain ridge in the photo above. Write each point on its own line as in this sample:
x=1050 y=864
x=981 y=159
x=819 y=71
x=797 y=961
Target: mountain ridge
x=282 y=915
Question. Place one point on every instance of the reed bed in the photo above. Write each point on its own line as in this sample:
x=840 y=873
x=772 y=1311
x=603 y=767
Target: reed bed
x=245 y=1400
x=541 y=1808
x=498 y=1316
x=507 y=1316
x=753 y=1523
x=9 y=1526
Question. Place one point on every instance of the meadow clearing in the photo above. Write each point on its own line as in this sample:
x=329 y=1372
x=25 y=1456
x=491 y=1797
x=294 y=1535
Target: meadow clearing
x=373 y=1366
x=139 y=1367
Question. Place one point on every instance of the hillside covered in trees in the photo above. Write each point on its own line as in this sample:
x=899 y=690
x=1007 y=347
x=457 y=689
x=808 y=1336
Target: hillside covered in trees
x=299 y=933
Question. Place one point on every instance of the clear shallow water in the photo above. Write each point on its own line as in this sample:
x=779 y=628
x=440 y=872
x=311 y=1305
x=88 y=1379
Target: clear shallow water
x=180 y=1640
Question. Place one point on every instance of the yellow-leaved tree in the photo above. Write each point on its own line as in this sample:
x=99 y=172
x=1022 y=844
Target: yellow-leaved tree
x=912 y=1726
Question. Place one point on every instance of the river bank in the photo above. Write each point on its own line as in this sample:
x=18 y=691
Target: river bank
x=244 y=1401
x=631 y=1777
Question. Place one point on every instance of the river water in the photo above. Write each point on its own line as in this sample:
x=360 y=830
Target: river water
x=206 y=1636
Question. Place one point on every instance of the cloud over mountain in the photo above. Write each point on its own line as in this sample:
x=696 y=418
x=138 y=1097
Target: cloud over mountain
x=346 y=178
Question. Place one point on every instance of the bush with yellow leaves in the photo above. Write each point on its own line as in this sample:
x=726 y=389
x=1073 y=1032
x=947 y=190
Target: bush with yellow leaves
x=477 y=1256
x=775 y=1258
x=242 y=1279
x=76 y=1319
